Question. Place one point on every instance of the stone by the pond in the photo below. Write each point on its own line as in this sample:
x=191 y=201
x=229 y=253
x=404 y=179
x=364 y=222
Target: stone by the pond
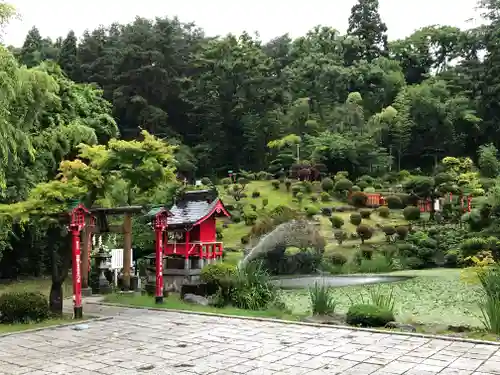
x=80 y=327
x=198 y=300
x=401 y=326
x=336 y=281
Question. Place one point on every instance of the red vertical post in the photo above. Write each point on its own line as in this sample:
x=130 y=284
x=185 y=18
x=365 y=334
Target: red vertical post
x=469 y=203
x=451 y=197
x=159 y=264
x=77 y=275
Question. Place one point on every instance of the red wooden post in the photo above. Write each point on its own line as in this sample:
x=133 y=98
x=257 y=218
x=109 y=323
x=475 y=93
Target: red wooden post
x=469 y=203
x=159 y=264
x=451 y=197
x=77 y=275
x=160 y=225
x=77 y=223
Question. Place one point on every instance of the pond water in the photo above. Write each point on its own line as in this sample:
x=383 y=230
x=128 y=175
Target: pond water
x=336 y=281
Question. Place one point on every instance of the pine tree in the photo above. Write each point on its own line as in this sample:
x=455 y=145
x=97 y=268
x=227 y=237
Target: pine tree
x=67 y=57
x=366 y=25
x=30 y=51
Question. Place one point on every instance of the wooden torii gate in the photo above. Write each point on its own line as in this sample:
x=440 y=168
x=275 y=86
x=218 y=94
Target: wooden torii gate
x=102 y=226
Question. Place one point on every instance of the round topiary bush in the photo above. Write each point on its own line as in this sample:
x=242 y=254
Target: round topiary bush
x=311 y=210
x=355 y=188
x=288 y=184
x=384 y=212
x=325 y=197
x=206 y=181
x=23 y=307
x=255 y=194
x=307 y=187
x=359 y=199
x=262 y=176
x=364 y=232
x=337 y=259
x=355 y=218
x=337 y=221
x=275 y=184
x=369 y=189
x=389 y=230
x=343 y=185
x=226 y=181
x=340 y=236
x=217 y=272
x=411 y=213
x=394 y=202
x=314 y=198
x=365 y=214
x=327 y=184
x=326 y=211
x=402 y=232
x=296 y=189
x=364 y=315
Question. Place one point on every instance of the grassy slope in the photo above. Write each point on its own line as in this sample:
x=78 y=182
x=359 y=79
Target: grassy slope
x=233 y=234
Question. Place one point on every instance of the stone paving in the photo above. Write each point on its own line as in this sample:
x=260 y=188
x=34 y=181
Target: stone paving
x=152 y=342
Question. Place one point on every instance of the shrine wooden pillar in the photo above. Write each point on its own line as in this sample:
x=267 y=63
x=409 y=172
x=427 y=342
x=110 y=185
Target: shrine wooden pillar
x=127 y=249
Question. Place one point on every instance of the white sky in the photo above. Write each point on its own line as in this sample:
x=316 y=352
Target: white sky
x=270 y=18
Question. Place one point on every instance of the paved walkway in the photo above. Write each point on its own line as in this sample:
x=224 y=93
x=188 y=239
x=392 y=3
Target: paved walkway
x=152 y=342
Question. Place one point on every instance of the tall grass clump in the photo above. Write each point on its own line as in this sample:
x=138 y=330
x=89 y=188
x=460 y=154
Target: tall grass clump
x=382 y=298
x=489 y=278
x=322 y=300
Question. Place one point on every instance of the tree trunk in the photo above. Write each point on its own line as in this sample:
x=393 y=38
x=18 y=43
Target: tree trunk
x=56 y=298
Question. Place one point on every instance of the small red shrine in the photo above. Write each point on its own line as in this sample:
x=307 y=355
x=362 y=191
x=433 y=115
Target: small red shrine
x=191 y=230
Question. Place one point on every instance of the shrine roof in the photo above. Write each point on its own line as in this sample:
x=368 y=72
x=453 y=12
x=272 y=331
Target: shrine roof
x=194 y=207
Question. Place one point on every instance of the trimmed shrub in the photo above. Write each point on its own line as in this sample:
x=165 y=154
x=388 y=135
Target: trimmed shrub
x=326 y=211
x=23 y=307
x=226 y=181
x=311 y=211
x=394 y=202
x=250 y=217
x=245 y=239
x=299 y=196
x=206 y=181
x=384 y=212
x=288 y=184
x=337 y=259
x=217 y=273
x=343 y=185
x=255 y=194
x=389 y=230
x=355 y=188
x=402 y=232
x=307 y=187
x=364 y=315
x=411 y=213
x=275 y=184
x=314 y=198
x=340 y=236
x=365 y=214
x=359 y=199
x=325 y=197
x=327 y=184
x=265 y=202
x=337 y=221
x=364 y=232
x=296 y=189
x=355 y=218
x=262 y=176
x=369 y=189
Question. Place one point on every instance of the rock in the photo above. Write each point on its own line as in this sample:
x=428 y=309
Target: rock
x=198 y=300
x=80 y=327
x=401 y=326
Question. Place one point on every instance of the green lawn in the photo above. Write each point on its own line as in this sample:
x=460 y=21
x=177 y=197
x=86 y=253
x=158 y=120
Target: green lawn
x=436 y=296
x=41 y=285
x=174 y=302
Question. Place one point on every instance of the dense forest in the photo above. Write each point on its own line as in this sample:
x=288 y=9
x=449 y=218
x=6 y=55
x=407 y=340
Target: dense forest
x=356 y=102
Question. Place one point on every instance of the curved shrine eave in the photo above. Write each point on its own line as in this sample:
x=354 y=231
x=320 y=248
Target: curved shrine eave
x=186 y=215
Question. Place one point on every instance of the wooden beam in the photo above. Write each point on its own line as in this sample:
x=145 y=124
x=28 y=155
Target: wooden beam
x=127 y=249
